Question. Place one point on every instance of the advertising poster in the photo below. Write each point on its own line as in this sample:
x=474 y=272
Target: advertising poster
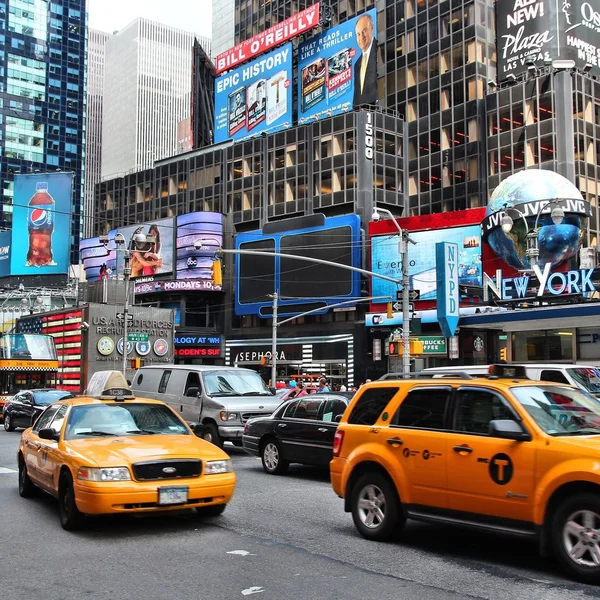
x=579 y=22
x=255 y=97
x=387 y=260
x=5 y=253
x=41 y=224
x=337 y=69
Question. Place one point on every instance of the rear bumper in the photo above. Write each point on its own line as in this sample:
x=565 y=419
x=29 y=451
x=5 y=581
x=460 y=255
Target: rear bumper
x=337 y=468
x=131 y=496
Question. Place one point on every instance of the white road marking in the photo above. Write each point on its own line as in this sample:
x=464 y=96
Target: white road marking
x=5 y=471
x=241 y=553
x=253 y=590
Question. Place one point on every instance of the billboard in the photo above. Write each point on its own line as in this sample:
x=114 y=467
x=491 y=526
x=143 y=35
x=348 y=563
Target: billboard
x=543 y=30
x=5 y=243
x=387 y=260
x=41 y=228
x=337 y=69
x=255 y=98
x=274 y=36
x=302 y=285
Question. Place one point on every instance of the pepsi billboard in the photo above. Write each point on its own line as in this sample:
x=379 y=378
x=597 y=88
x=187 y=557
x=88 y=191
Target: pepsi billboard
x=337 y=69
x=255 y=98
x=41 y=227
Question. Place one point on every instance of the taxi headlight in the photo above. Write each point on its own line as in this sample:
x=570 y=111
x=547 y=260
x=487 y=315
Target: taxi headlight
x=229 y=416
x=213 y=467
x=108 y=474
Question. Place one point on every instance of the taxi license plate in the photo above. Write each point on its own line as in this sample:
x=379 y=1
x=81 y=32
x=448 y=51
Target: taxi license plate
x=172 y=495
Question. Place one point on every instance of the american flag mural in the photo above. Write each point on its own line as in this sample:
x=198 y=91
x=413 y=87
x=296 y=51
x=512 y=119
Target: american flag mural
x=65 y=328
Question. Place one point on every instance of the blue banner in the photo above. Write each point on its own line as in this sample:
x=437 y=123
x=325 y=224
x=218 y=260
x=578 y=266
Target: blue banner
x=337 y=70
x=41 y=229
x=255 y=98
x=447 y=259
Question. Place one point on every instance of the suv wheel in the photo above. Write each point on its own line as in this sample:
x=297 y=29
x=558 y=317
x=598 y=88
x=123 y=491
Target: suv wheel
x=576 y=537
x=375 y=507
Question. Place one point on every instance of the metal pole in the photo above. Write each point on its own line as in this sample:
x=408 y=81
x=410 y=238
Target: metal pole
x=405 y=304
x=274 y=342
x=126 y=273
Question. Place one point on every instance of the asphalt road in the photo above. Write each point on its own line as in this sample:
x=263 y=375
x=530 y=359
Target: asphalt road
x=281 y=537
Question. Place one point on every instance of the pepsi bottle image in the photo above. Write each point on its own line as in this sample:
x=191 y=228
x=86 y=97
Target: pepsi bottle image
x=40 y=222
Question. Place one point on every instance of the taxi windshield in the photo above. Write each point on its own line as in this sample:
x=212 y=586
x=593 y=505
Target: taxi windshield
x=587 y=379
x=560 y=410
x=101 y=420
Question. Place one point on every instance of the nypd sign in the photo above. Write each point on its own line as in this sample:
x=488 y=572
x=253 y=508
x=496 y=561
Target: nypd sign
x=446 y=266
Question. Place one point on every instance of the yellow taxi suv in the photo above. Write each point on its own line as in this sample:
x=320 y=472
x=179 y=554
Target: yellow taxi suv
x=112 y=453
x=501 y=454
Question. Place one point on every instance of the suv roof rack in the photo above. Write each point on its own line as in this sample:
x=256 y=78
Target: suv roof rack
x=426 y=375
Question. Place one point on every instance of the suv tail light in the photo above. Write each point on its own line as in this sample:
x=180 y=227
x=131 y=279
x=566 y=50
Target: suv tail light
x=338 y=438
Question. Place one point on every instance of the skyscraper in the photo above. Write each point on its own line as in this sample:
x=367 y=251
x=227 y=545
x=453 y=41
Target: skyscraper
x=95 y=83
x=42 y=109
x=223 y=21
x=147 y=92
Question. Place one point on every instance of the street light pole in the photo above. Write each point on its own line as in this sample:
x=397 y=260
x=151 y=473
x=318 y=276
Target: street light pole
x=127 y=276
x=275 y=297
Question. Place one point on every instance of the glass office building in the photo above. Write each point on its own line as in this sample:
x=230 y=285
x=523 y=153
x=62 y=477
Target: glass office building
x=42 y=97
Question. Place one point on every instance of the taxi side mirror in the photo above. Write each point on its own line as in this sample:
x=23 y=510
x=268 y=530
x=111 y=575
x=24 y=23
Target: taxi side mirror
x=48 y=434
x=507 y=429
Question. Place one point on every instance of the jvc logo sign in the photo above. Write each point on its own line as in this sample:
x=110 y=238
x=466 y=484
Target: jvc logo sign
x=369 y=136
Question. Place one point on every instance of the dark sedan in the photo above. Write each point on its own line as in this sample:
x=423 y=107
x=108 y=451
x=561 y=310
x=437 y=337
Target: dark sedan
x=24 y=408
x=299 y=431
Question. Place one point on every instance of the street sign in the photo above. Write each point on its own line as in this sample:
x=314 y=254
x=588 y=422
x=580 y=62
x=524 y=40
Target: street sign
x=121 y=316
x=137 y=336
x=413 y=295
x=398 y=306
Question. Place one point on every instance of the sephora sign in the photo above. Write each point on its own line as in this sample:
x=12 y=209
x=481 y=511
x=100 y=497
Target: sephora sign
x=542 y=30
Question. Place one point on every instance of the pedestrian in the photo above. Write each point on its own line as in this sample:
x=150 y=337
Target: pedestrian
x=322 y=386
x=301 y=390
x=343 y=388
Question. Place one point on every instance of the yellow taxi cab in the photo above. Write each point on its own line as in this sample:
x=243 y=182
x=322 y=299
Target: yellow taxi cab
x=109 y=453
x=501 y=454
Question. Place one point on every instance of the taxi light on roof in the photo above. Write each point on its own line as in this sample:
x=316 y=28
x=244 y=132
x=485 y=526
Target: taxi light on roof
x=109 y=385
x=508 y=371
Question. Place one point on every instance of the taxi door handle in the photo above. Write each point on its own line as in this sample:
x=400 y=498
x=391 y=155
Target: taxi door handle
x=393 y=441
x=466 y=449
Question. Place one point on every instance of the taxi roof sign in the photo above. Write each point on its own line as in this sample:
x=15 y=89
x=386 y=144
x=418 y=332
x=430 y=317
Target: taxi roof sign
x=108 y=384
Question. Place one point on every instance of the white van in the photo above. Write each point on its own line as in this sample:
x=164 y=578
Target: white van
x=585 y=377
x=220 y=398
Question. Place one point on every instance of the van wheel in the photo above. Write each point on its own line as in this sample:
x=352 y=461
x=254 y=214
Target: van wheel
x=576 y=537
x=211 y=434
x=376 y=508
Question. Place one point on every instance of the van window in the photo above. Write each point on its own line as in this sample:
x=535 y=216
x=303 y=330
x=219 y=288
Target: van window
x=370 y=405
x=553 y=375
x=164 y=380
x=193 y=381
x=140 y=378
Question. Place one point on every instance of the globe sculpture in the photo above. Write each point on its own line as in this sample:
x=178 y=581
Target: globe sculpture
x=556 y=243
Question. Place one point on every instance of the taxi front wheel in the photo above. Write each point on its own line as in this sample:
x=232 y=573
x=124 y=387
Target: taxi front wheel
x=376 y=508
x=576 y=537
x=70 y=516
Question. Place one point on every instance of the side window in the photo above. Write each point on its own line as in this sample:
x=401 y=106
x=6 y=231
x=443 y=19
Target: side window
x=308 y=408
x=370 y=405
x=553 y=375
x=423 y=408
x=140 y=378
x=333 y=409
x=59 y=419
x=164 y=380
x=193 y=381
x=476 y=408
x=290 y=408
x=45 y=418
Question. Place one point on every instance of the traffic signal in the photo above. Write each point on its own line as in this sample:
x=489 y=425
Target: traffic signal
x=390 y=311
x=503 y=353
x=136 y=363
x=217 y=273
x=394 y=348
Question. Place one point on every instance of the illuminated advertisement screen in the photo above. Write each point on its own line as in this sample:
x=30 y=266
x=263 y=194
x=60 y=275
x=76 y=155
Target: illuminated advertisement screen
x=386 y=259
x=337 y=69
x=41 y=226
x=254 y=98
x=5 y=241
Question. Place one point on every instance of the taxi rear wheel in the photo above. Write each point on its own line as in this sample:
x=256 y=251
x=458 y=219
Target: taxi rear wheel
x=27 y=488
x=576 y=537
x=211 y=511
x=8 y=426
x=375 y=507
x=70 y=516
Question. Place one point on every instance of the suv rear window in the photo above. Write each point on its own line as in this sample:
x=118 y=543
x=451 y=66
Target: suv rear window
x=370 y=405
x=424 y=408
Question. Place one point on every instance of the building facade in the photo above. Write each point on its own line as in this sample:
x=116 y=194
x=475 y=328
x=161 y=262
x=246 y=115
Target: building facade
x=147 y=93
x=223 y=24
x=95 y=89
x=43 y=103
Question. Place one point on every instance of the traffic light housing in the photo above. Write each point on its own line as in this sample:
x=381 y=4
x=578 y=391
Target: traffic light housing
x=503 y=354
x=136 y=363
x=217 y=273
x=390 y=311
